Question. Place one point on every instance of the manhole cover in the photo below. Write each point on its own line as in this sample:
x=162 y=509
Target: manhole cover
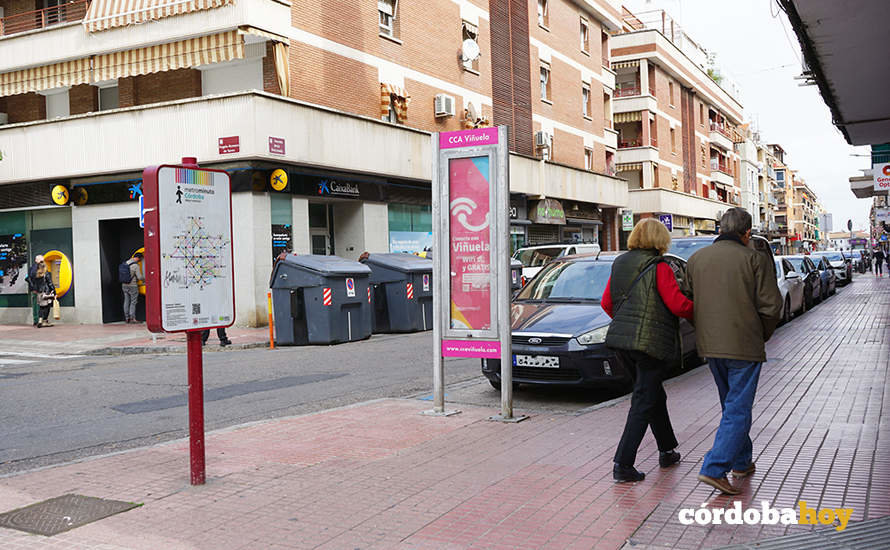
x=63 y=513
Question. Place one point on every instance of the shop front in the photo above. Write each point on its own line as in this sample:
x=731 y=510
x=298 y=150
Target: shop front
x=547 y=218
x=583 y=222
x=519 y=222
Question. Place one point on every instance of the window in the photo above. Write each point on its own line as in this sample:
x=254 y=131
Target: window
x=585 y=35
x=543 y=13
x=588 y=158
x=57 y=103
x=585 y=99
x=673 y=141
x=108 y=98
x=470 y=31
x=391 y=116
x=671 y=93
x=545 y=82
x=387 y=10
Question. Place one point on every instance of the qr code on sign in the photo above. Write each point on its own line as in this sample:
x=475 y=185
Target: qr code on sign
x=196 y=309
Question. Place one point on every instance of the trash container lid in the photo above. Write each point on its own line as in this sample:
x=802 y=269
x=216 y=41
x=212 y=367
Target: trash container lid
x=327 y=265
x=406 y=263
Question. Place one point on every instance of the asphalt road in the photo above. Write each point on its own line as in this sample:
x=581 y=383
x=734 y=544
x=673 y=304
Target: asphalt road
x=56 y=410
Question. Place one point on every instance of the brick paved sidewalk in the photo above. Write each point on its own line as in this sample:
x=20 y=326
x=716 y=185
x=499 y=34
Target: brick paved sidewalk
x=116 y=339
x=379 y=475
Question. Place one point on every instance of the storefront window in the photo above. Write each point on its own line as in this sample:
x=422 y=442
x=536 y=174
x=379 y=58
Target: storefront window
x=409 y=217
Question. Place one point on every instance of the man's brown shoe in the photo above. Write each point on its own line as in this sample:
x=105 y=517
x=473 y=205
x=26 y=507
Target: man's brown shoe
x=720 y=483
x=744 y=473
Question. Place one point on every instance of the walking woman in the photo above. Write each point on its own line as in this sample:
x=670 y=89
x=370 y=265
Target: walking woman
x=46 y=293
x=645 y=304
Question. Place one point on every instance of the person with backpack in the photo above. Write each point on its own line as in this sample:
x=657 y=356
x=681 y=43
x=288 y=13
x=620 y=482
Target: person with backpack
x=129 y=275
x=645 y=303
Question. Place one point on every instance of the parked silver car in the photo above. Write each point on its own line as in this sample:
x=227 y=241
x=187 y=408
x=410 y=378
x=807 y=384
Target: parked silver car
x=791 y=285
x=840 y=263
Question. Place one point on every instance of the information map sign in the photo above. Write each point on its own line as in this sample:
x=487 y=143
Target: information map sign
x=188 y=238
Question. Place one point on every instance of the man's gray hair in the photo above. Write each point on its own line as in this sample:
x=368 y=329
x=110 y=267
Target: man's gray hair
x=736 y=221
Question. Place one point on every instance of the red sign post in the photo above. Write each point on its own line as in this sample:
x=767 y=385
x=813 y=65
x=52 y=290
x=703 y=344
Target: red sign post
x=189 y=277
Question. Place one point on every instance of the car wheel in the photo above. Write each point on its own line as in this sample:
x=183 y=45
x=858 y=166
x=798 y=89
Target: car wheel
x=809 y=300
x=786 y=313
x=803 y=304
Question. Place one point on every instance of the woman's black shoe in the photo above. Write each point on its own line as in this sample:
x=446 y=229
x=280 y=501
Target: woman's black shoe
x=224 y=343
x=626 y=473
x=668 y=458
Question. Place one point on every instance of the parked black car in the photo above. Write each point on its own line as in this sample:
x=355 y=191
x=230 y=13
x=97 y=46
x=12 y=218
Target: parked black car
x=812 y=291
x=826 y=274
x=840 y=263
x=559 y=327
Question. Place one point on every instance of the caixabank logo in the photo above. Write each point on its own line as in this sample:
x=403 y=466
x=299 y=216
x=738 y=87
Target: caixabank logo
x=766 y=515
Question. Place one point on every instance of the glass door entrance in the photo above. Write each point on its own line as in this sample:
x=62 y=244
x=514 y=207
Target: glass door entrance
x=321 y=228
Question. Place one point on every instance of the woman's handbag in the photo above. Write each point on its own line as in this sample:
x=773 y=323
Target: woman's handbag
x=57 y=310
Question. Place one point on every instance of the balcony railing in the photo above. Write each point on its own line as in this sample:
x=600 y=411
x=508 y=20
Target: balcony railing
x=627 y=91
x=721 y=167
x=720 y=129
x=653 y=142
x=606 y=63
x=628 y=143
x=40 y=19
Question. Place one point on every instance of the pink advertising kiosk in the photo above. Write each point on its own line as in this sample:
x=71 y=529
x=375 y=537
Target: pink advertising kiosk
x=471 y=256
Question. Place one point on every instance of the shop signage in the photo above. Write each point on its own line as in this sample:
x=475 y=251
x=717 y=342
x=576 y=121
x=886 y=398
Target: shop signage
x=471 y=211
x=705 y=225
x=548 y=211
x=410 y=241
x=278 y=179
x=667 y=220
x=282 y=238
x=276 y=145
x=188 y=243
x=338 y=188
x=13 y=264
x=60 y=195
x=627 y=220
x=228 y=145
x=518 y=209
x=882 y=215
x=142 y=211
x=882 y=176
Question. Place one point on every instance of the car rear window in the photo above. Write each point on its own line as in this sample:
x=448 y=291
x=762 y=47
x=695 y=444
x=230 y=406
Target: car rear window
x=579 y=280
x=686 y=248
x=536 y=257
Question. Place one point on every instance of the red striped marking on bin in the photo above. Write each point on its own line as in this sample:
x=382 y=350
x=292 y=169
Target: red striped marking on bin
x=369 y=295
x=409 y=291
x=326 y=296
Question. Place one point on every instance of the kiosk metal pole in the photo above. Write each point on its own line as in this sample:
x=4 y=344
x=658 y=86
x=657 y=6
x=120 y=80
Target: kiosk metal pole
x=196 y=407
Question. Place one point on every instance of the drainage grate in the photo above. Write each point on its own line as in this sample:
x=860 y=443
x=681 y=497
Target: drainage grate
x=873 y=534
x=61 y=514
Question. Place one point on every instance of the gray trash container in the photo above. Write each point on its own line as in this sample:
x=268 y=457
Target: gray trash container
x=515 y=274
x=320 y=300
x=402 y=292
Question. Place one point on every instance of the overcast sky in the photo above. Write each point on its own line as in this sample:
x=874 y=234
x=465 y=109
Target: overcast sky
x=761 y=53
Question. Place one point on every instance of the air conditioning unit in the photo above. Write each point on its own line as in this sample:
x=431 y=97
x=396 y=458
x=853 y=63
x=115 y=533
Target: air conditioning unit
x=542 y=139
x=4 y=119
x=444 y=105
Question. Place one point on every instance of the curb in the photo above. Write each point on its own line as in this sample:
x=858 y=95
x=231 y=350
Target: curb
x=143 y=350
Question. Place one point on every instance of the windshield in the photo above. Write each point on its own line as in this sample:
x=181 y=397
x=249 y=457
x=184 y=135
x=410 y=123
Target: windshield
x=797 y=264
x=536 y=257
x=578 y=280
x=686 y=248
x=834 y=257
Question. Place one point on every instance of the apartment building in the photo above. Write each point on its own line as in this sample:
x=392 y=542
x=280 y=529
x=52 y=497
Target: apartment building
x=339 y=96
x=784 y=195
x=805 y=212
x=767 y=188
x=677 y=125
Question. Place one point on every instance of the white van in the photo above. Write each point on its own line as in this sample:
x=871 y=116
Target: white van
x=533 y=258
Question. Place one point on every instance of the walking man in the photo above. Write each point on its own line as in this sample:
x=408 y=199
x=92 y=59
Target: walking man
x=879 y=261
x=32 y=287
x=130 y=276
x=737 y=308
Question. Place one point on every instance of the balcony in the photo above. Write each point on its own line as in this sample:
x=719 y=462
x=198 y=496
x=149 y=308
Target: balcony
x=41 y=19
x=627 y=91
x=720 y=137
x=81 y=145
x=659 y=199
x=629 y=143
x=59 y=41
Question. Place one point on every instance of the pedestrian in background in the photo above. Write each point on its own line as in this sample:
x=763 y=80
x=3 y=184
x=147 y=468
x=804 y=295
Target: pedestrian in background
x=220 y=333
x=45 y=292
x=32 y=289
x=737 y=308
x=879 y=261
x=645 y=303
x=130 y=275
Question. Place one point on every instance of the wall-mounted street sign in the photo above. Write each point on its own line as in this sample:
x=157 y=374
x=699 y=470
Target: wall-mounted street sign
x=471 y=282
x=627 y=220
x=667 y=220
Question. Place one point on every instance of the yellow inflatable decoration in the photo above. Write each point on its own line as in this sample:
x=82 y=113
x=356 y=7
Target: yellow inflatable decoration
x=141 y=284
x=61 y=271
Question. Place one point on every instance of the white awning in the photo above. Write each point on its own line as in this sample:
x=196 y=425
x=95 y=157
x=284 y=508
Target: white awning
x=107 y=14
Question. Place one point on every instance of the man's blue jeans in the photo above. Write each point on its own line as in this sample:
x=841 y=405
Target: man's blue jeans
x=737 y=384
